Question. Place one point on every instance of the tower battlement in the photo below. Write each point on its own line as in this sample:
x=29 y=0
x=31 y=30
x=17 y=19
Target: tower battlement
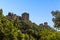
x=25 y=16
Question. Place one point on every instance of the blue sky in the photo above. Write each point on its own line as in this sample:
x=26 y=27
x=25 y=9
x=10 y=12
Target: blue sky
x=39 y=10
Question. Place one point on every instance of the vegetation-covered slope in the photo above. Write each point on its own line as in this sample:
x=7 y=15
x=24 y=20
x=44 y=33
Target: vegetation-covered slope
x=25 y=30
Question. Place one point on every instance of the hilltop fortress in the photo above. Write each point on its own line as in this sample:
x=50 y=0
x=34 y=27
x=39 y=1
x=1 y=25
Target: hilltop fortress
x=24 y=16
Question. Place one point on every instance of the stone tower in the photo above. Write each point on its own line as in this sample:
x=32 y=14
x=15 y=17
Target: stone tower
x=25 y=16
x=11 y=16
x=1 y=12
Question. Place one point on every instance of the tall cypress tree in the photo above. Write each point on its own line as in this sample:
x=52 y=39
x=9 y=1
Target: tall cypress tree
x=1 y=12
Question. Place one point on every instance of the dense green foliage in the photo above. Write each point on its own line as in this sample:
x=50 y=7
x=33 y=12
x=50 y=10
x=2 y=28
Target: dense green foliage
x=56 y=18
x=25 y=30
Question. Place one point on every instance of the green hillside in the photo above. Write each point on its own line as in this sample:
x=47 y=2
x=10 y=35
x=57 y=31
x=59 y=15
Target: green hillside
x=16 y=29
